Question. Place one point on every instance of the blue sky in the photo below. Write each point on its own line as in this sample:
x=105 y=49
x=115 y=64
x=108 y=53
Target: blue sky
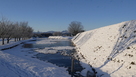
x=56 y=15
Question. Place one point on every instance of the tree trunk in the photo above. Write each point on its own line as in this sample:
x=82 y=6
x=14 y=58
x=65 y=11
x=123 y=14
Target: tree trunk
x=2 y=41
x=15 y=39
x=7 y=40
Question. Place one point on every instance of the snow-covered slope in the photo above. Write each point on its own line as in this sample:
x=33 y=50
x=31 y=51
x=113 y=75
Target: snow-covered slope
x=111 y=49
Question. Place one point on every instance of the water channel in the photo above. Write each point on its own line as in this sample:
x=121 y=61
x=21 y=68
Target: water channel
x=60 y=58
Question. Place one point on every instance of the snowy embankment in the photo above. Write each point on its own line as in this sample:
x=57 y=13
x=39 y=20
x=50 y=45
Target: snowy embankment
x=60 y=37
x=111 y=49
x=12 y=44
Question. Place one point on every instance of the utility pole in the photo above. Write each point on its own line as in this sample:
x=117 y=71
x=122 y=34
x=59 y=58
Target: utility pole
x=72 y=67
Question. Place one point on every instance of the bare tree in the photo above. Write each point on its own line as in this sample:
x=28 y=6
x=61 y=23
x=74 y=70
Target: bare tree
x=16 y=30
x=75 y=27
x=10 y=30
x=28 y=32
x=4 y=29
x=22 y=30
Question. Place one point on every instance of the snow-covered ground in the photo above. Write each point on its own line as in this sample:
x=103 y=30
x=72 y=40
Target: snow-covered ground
x=19 y=62
x=111 y=50
x=11 y=43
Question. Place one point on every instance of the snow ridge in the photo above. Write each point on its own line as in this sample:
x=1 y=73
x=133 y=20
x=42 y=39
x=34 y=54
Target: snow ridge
x=110 y=49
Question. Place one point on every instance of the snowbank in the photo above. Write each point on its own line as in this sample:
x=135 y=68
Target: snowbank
x=59 y=37
x=11 y=44
x=111 y=49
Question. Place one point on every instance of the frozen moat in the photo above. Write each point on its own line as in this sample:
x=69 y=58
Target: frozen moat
x=58 y=52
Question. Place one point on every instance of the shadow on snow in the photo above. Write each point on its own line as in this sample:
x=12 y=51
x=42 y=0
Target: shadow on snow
x=127 y=37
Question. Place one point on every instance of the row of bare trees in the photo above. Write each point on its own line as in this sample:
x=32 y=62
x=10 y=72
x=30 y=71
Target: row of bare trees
x=16 y=30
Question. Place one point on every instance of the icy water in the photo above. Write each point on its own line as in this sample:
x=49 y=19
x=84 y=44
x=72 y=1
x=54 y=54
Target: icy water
x=42 y=46
x=61 y=59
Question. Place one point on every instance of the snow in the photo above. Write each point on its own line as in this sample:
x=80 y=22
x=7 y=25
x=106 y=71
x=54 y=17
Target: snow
x=19 y=62
x=110 y=49
x=60 y=37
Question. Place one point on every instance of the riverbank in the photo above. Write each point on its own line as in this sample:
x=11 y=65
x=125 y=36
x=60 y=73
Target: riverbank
x=13 y=44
